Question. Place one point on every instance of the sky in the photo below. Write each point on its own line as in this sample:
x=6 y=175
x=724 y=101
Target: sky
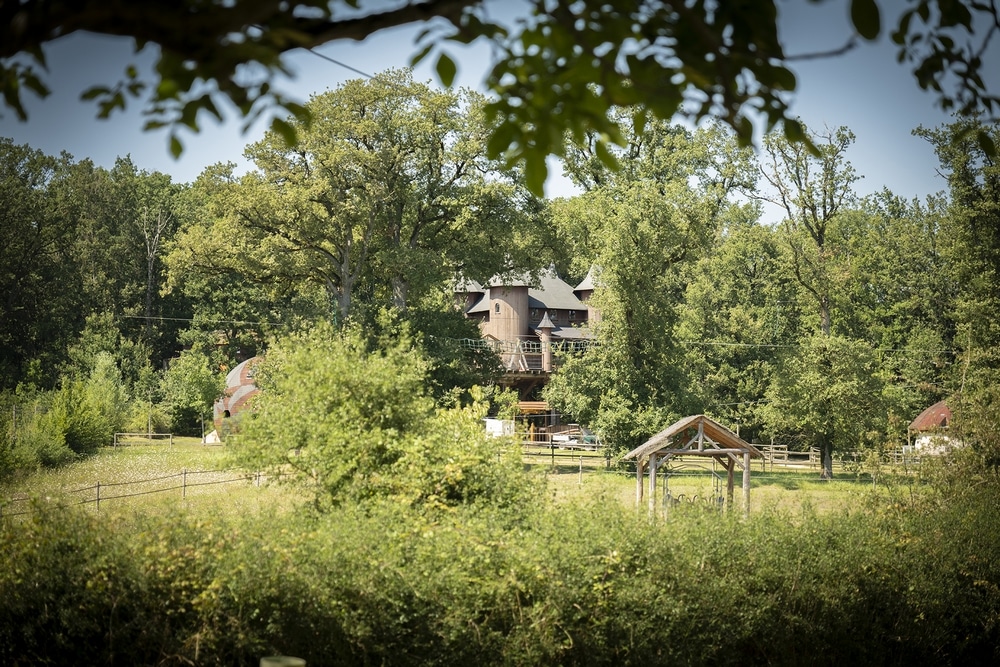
x=865 y=90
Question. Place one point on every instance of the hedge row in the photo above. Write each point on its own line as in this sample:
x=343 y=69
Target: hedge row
x=586 y=585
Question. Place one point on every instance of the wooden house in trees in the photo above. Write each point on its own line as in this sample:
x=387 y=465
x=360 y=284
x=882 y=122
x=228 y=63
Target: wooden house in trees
x=527 y=321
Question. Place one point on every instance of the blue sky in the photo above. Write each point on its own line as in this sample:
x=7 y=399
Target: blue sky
x=866 y=90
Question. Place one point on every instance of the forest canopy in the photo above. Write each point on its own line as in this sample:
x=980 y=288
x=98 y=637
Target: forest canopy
x=555 y=72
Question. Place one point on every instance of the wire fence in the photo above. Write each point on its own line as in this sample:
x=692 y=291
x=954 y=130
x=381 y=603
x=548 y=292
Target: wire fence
x=104 y=492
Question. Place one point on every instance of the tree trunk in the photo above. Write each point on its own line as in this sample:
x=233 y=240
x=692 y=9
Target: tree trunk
x=824 y=315
x=826 y=458
x=400 y=289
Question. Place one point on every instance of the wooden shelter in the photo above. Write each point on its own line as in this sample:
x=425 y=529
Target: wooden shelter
x=696 y=435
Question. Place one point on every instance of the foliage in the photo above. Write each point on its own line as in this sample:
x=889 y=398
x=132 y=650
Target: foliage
x=829 y=391
x=555 y=73
x=37 y=311
x=190 y=388
x=357 y=424
x=575 y=584
x=814 y=189
x=641 y=227
x=740 y=309
x=387 y=195
x=442 y=332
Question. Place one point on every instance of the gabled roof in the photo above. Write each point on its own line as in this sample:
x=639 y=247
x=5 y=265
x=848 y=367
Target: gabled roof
x=935 y=417
x=552 y=293
x=716 y=437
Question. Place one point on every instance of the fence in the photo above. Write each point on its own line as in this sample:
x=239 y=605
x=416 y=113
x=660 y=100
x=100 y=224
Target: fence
x=104 y=492
x=125 y=438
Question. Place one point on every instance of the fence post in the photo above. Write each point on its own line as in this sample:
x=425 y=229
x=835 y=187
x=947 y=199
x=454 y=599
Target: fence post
x=98 y=496
x=581 y=471
x=184 y=483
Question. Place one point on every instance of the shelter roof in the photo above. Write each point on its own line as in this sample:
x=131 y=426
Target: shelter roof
x=553 y=293
x=935 y=417
x=546 y=322
x=717 y=437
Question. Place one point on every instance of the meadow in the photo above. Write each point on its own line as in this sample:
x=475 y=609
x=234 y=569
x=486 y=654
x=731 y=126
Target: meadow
x=143 y=477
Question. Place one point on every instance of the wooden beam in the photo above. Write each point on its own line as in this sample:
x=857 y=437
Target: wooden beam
x=720 y=453
x=652 y=483
x=639 y=466
x=746 y=484
x=730 y=466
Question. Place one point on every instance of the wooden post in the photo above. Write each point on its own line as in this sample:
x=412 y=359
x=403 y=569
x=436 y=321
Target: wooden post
x=98 y=496
x=184 y=483
x=730 y=464
x=746 y=484
x=652 y=483
x=638 y=481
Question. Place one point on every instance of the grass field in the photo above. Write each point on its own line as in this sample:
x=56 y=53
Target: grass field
x=148 y=478
x=161 y=477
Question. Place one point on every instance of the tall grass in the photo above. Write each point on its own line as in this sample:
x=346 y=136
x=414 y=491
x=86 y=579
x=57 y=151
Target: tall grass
x=585 y=580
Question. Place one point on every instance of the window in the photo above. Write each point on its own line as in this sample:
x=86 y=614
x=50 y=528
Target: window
x=496 y=307
x=572 y=315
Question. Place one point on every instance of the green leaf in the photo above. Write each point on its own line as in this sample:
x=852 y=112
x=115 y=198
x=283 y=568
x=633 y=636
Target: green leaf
x=176 y=147
x=420 y=55
x=446 y=70
x=986 y=143
x=94 y=93
x=535 y=171
x=500 y=140
x=793 y=131
x=285 y=129
x=865 y=16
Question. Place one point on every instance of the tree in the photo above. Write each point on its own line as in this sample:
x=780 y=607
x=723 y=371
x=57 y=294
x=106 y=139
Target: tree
x=190 y=388
x=972 y=248
x=740 y=310
x=388 y=194
x=898 y=294
x=40 y=310
x=641 y=227
x=813 y=190
x=662 y=58
x=829 y=393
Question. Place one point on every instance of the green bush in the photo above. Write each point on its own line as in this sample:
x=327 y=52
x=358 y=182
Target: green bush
x=358 y=424
x=587 y=584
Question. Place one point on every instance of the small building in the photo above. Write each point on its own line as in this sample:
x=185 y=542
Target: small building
x=240 y=388
x=929 y=432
